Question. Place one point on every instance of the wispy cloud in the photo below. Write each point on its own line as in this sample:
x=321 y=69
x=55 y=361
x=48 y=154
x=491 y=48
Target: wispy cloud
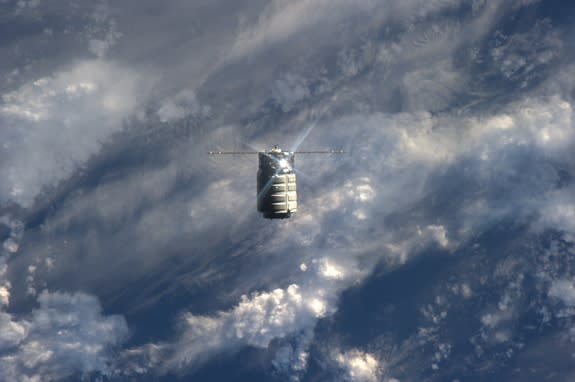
x=437 y=154
x=55 y=123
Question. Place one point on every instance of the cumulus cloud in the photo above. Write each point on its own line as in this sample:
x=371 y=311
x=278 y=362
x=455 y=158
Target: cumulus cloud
x=66 y=335
x=259 y=319
x=358 y=366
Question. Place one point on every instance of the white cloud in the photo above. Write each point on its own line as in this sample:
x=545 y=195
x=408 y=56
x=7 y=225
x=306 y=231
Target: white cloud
x=355 y=195
x=558 y=212
x=289 y=90
x=102 y=32
x=256 y=321
x=10 y=246
x=399 y=156
x=408 y=150
x=523 y=54
x=12 y=333
x=563 y=290
x=56 y=123
x=292 y=357
x=182 y=105
x=359 y=366
x=140 y=360
x=262 y=317
x=283 y=19
x=435 y=233
x=432 y=88
x=280 y=20
x=66 y=335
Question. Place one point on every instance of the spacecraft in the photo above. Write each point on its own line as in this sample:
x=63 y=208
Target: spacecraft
x=276 y=180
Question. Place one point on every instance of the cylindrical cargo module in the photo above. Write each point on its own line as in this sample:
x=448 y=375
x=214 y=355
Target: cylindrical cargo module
x=276 y=186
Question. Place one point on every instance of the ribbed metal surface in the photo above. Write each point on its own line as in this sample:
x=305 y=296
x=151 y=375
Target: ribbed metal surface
x=282 y=200
x=277 y=187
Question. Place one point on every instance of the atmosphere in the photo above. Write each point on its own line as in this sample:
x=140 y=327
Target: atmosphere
x=431 y=237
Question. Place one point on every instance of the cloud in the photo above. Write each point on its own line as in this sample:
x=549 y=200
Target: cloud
x=65 y=336
x=407 y=154
x=55 y=123
x=10 y=246
x=358 y=366
x=289 y=90
x=102 y=32
x=523 y=55
x=284 y=20
x=412 y=150
x=564 y=290
x=558 y=212
x=262 y=317
x=184 y=104
x=292 y=356
x=421 y=173
x=280 y=20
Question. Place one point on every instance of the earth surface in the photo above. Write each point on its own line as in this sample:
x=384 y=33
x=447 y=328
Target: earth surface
x=439 y=247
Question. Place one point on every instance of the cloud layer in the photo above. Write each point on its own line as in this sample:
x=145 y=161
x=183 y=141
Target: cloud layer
x=457 y=119
x=55 y=124
x=65 y=336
